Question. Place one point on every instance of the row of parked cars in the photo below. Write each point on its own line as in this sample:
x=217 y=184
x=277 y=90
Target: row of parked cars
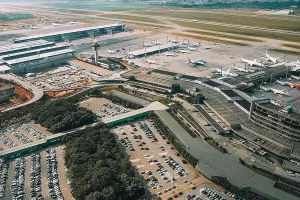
x=35 y=177
x=211 y=194
x=146 y=129
x=7 y=141
x=17 y=186
x=3 y=177
x=32 y=131
x=176 y=167
x=21 y=136
x=53 y=182
x=115 y=108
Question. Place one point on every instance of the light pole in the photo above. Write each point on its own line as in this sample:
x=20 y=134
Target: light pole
x=145 y=53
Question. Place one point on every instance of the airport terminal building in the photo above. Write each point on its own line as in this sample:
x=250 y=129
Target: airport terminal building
x=35 y=55
x=75 y=33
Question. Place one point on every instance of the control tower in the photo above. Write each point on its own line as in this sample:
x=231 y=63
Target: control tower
x=96 y=47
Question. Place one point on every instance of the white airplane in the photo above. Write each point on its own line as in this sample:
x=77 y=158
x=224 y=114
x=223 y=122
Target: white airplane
x=252 y=63
x=111 y=51
x=72 y=22
x=243 y=69
x=197 y=62
x=282 y=92
x=192 y=49
x=174 y=41
x=274 y=60
x=195 y=44
x=33 y=27
x=170 y=54
x=151 y=62
x=183 y=51
x=224 y=73
x=55 y=24
x=147 y=45
x=156 y=43
x=298 y=62
x=194 y=20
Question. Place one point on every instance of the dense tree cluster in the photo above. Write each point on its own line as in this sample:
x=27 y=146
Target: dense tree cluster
x=62 y=115
x=97 y=169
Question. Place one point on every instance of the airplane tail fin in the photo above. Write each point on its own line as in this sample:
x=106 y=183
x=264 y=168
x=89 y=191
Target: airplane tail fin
x=190 y=61
x=254 y=60
x=228 y=70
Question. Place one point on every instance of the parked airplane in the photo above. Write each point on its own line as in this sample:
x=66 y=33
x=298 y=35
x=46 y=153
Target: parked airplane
x=294 y=85
x=295 y=77
x=192 y=49
x=55 y=24
x=170 y=54
x=183 y=51
x=243 y=69
x=197 y=62
x=252 y=63
x=111 y=51
x=274 y=60
x=282 y=92
x=195 y=44
x=194 y=20
x=156 y=43
x=73 y=22
x=224 y=73
x=151 y=62
x=147 y=45
x=33 y=27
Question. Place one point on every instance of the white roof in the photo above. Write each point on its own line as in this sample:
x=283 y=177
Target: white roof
x=152 y=49
x=40 y=56
x=65 y=32
x=23 y=45
x=31 y=51
x=4 y=68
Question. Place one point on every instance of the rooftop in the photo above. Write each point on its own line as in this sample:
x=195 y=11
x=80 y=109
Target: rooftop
x=12 y=47
x=64 y=32
x=40 y=56
x=4 y=68
x=152 y=49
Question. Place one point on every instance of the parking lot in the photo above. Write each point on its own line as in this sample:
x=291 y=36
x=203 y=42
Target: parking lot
x=22 y=133
x=38 y=176
x=103 y=107
x=166 y=172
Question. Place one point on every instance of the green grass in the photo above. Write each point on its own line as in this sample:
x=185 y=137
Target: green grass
x=14 y=17
x=241 y=31
x=224 y=36
x=230 y=18
x=292 y=46
x=211 y=39
x=132 y=18
x=286 y=51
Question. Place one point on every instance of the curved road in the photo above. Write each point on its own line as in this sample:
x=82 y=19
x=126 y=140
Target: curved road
x=36 y=92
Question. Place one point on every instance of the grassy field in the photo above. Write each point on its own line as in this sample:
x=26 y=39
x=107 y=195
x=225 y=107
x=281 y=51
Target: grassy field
x=292 y=46
x=14 y=16
x=241 y=31
x=132 y=18
x=239 y=19
x=210 y=39
x=286 y=51
x=101 y=6
x=224 y=36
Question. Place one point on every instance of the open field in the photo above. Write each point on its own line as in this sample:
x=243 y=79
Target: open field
x=241 y=31
x=286 y=51
x=133 y=18
x=224 y=36
x=14 y=16
x=211 y=39
x=292 y=46
x=218 y=16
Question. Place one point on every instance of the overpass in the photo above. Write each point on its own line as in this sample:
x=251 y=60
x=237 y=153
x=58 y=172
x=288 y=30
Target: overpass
x=50 y=140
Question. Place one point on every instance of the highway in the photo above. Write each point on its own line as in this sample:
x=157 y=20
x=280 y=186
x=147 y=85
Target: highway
x=36 y=92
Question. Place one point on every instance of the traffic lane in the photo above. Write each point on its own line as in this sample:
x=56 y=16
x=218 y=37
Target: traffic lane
x=44 y=175
x=8 y=192
x=62 y=175
x=27 y=178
